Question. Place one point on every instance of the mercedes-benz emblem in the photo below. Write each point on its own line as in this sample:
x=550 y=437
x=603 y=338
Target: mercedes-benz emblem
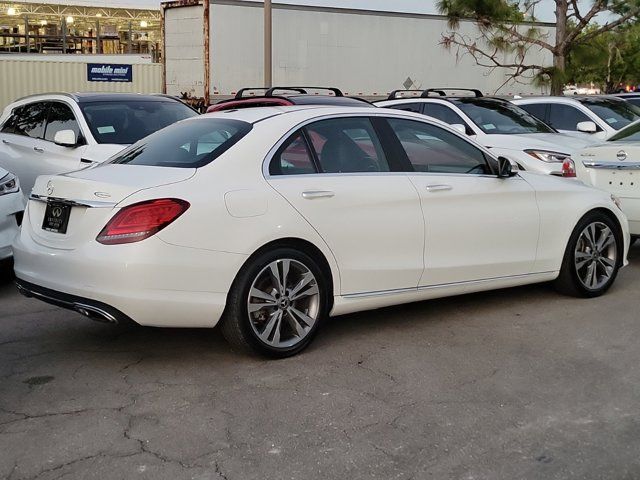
x=56 y=212
x=50 y=187
x=622 y=155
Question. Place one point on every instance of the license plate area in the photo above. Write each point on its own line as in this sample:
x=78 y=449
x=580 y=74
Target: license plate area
x=56 y=217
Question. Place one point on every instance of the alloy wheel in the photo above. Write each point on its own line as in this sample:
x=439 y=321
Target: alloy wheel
x=283 y=303
x=596 y=255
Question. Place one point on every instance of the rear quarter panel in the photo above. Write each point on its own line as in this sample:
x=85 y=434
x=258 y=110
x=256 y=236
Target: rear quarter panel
x=562 y=203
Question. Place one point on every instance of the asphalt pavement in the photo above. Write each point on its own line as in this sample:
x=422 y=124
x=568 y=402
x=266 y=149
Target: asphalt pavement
x=512 y=384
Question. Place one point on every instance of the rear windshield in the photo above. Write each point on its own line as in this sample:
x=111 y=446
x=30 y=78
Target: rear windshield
x=496 y=117
x=189 y=144
x=124 y=123
x=628 y=134
x=617 y=113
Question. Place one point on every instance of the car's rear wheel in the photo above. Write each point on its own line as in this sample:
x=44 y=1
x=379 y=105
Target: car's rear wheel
x=592 y=259
x=276 y=304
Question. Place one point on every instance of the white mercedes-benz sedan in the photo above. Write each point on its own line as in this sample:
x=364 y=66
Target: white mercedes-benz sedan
x=11 y=211
x=268 y=220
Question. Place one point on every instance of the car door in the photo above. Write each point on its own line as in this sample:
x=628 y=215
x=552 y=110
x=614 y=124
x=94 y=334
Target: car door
x=61 y=158
x=478 y=226
x=337 y=175
x=22 y=144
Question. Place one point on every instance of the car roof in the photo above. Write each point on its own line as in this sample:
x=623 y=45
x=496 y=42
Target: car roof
x=86 y=97
x=564 y=98
x=258 y=114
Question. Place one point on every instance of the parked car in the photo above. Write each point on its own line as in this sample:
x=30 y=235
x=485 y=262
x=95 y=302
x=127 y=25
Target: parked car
x=633 y=97
x=11 y=211
x=267 y=220
x=591 y=117
x=287 y=96
x=57 y=133
x=497 y=124
x=614 y=166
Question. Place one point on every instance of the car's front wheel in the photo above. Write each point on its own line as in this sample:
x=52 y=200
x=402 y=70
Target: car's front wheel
x=276 y=304
x=592 y=258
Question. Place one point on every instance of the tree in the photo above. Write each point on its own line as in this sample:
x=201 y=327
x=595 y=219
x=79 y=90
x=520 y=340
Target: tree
x=507 y=32
x=607 y=60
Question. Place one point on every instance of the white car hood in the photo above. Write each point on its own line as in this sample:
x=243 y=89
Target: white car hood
x=556 y=142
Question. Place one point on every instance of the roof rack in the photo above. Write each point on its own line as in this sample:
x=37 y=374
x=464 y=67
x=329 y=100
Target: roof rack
x=303 y=90
x=422 y=93
x=442 y=91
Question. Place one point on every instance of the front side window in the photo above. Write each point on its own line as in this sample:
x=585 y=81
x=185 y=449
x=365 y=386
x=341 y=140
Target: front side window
x=189 y=144
x=293 y=158
x=347 y=145
x=27 y=120
x=617 y=113
x=126 y=122
x=60 y=118
x=538 y=110
x=444 y=114
x=566 y=117
x=435 y=150
x=499 y=117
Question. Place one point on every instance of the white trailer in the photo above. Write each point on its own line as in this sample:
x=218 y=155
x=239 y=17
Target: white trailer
x=215 y=47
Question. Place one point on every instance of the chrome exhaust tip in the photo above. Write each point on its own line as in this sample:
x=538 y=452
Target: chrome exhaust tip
x=95 y=313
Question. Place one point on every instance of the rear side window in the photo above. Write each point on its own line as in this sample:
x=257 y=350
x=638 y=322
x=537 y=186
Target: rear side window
x=435 y=150
x=190 y=144
x=60 y=118
x=566 y=117
x=347 y=145
x=408 y=107
x=293 y=158
x=28 y=120
x=124 y=123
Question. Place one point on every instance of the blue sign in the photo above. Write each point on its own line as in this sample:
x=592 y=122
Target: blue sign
x=109 y=72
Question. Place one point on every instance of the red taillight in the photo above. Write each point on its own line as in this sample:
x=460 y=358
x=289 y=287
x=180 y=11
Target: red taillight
x=568 y=169
x=141 y=220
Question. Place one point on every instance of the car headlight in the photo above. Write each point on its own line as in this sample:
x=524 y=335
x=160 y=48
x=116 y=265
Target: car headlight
x=9 y=184
x=617 y=201
x=549 y=157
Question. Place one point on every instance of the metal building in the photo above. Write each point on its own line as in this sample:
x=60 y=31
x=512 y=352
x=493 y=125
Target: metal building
x=215 y=47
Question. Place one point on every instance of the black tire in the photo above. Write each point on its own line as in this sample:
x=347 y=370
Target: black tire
x=236 y=324
x=569 y=281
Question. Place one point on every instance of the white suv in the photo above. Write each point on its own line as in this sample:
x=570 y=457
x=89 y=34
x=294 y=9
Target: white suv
x=57 y=133
x=591 y=117
x=497 y=124
x=11 y=210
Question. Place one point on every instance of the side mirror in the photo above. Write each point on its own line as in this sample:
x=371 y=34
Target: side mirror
x=459 y=127
x=505 y=168
x=587 y=127
x=65 y=138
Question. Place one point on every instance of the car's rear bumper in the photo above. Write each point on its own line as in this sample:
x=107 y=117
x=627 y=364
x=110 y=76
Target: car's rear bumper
x=150 y=282
x=93 y=309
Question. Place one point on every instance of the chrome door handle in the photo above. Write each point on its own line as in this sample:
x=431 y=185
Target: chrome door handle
x=438 y=188
x=317 y=194
x=39 y=149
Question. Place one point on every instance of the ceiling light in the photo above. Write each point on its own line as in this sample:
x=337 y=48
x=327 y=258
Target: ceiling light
x=69 y=19
x=144 y=24
x=43 y=22
x=11 y=11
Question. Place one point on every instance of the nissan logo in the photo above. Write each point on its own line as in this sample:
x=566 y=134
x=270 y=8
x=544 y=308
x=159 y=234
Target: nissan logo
x=50 y=187
x=622 y=155
x=56 y=212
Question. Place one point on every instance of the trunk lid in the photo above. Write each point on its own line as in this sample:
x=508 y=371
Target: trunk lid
x=90 y=197
x=614 y=167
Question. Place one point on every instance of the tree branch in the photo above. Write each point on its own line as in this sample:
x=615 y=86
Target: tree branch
x=607 y=27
